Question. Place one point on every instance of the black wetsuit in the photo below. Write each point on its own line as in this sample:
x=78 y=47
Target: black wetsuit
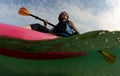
x=39 y=27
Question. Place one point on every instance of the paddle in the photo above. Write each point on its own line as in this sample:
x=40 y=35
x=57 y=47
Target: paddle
x=24 y=12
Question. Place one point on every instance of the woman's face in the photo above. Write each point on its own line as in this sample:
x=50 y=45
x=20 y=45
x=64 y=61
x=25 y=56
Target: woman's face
x=64 y=16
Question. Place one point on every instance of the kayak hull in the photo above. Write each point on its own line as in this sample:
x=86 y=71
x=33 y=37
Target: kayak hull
x=39 y=55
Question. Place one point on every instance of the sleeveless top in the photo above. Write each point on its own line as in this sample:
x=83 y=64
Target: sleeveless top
x=64 y=26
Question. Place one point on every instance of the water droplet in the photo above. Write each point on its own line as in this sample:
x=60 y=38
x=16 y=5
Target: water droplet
x=76 y=38
x=92 y=46
x=106 y=40
x=113 y=32
x=101 y=33
x=86 y=43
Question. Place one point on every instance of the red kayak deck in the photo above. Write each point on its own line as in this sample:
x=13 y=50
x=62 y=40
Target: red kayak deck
x=22 y=33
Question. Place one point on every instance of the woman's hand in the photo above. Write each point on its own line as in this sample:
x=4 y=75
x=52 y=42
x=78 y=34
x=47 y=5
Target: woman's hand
x=45 y=23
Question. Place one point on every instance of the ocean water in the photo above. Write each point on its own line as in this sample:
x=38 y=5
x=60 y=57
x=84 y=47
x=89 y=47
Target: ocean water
x=92 y=64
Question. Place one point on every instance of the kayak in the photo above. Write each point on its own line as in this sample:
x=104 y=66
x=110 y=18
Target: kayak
x=29 y=35
x=31 y=53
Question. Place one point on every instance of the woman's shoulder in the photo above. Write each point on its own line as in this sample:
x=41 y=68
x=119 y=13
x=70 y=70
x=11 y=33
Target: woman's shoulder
x=70 y=22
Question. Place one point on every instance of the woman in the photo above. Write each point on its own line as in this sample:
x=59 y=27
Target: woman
x=66 y=25
x=64 y=28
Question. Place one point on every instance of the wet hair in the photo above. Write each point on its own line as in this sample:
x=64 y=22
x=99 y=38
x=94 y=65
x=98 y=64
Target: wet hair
x=60 y=16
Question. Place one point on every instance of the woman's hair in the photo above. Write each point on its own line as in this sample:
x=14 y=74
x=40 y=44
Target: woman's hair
x=60 y=15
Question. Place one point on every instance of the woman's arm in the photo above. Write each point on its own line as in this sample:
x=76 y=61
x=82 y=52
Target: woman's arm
x=73 y=26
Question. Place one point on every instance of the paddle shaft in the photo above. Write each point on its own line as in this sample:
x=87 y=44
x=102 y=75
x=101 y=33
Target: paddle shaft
x=36 y=17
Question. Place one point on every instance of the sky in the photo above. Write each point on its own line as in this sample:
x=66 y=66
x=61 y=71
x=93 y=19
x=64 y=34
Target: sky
x=87 y=15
